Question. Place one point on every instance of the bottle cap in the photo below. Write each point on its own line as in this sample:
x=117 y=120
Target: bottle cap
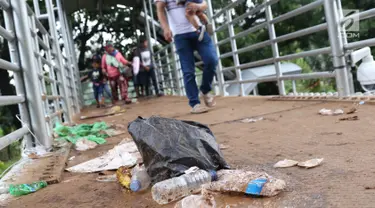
x=213 y=174
x=135 y=185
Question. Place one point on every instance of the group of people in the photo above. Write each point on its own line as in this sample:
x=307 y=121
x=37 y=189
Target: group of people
x=187 y=24
x=114 y=69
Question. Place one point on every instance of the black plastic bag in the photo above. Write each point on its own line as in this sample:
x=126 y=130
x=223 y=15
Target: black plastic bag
x=170 y=146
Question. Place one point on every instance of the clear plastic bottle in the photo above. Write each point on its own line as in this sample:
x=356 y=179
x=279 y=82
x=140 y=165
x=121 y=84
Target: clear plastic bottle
x=140 y=179
x=178 y=187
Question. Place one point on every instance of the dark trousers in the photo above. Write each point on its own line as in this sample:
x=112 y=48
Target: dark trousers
x=151 y=74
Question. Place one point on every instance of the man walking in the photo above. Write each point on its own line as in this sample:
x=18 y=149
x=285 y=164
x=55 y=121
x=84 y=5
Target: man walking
x=186 y=40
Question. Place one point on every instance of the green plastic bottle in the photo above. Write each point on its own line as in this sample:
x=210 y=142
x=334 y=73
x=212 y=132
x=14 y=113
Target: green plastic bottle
x=24 y=189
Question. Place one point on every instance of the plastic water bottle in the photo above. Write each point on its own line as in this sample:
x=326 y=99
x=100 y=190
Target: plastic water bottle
x=140 y=179
x=24 y=189
x=178 y=187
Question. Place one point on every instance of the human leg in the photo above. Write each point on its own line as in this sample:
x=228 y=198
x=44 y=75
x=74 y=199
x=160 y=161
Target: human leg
x=113 y=83
x=185 y=50
x=96 y=94
x=154 y=82
x=204 y=19
x=207 y=51
x=191 y=16
x=101 y=94
x=123 y=84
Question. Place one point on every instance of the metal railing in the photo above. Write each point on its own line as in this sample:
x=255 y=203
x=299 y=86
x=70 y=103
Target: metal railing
x=47 y=82
x=338 y=48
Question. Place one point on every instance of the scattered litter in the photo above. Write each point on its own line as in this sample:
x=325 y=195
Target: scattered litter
x=329 y=112
x=116 y=109
x=92 y=132
x=311 y=163
x=169 y=146
x=202 y=201
x=240 y=180
x=113 y=132
x=361 y=103
x=252 y=120
x=124 y=154
x=24 y=189
x=285 y=163
x=123 y=175
x=352 y=110
x=352 y=118
x=36 y=152
x=140 y=180
x=223 y=146
x=72 y=158
x=84 y=144
x=255 y=187
x=4 y=188
x=107 y=178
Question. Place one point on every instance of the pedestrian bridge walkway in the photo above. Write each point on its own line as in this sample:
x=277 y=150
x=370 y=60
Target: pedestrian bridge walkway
x=43 y=56
x=289 y=129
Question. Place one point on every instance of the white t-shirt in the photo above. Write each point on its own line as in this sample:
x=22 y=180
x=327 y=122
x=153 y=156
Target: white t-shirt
x=176 y=18
x=146 y=58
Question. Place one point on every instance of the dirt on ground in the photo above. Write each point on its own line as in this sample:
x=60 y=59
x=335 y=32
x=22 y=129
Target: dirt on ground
x=290 y=129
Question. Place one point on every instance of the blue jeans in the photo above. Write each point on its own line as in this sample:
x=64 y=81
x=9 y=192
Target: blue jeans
x=98 y=91
x=186 y=44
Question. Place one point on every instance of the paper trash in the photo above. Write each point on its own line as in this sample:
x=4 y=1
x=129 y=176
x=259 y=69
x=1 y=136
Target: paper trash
x=311 y=163
x=124 y=154
x=285 y=163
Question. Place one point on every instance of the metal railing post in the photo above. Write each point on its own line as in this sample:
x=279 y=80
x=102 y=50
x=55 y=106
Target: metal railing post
x=70 y=62
x=345 y=41
x=161 y=72
x=33 y=96
x=219 y=72
x=176 y=69
x=236 y=59
x=67 y=104
x=156 y=39
x=337 y=47
x=170 y=77
x=19 y=82
x=74 y=58
x=275 y=49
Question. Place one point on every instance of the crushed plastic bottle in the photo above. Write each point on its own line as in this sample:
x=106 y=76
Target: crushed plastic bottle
x=24 y=189
x=176 y=188
x=140 y=179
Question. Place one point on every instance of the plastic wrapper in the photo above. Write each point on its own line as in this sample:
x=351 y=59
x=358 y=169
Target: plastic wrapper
x=238 y=181
x=169 y=147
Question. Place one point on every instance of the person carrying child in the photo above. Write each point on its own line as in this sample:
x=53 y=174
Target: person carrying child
x=112 y=64
x=96 y=76
x=192 y=12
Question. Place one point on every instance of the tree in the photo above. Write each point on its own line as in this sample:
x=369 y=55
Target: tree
x=89 y=27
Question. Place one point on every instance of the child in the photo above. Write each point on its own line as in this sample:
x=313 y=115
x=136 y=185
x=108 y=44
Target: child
x=96 y=75
x=191 y=16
